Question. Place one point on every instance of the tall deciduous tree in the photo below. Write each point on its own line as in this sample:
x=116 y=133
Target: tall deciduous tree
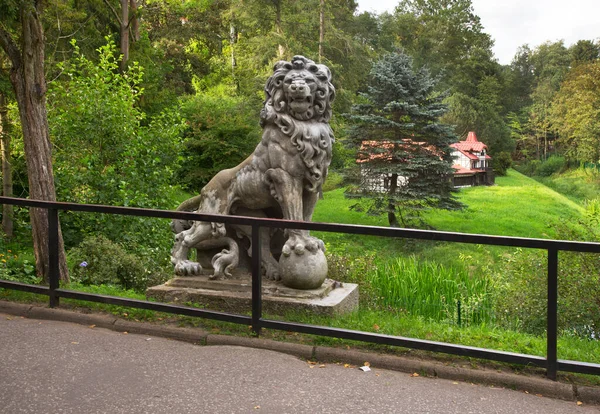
x=520 y=79
x=448 y=37
x=23 y=43
x=584 y=51
x=401 y=142
x=576 y=113
x=7 y=189
x=128 y=24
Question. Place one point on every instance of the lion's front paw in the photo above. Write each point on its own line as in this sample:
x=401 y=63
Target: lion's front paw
x=187 y=268
x=272 y=271
x=300 y=243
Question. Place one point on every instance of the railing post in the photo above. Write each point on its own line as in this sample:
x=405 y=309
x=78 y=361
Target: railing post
x=552 y=319
x=256 y=280
x=53 y=269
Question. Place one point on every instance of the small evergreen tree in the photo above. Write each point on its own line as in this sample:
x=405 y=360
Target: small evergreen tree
x=402 y=149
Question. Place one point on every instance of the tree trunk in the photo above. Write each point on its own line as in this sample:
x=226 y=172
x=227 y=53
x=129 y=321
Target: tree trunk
x=29 y=83
x=7 y=189
x=321 y=29
x=279 y=27
x=232 y=40
x=392 y=219
x=124 y=34
x=135 y=24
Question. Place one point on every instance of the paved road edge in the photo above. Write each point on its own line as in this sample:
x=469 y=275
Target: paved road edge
x=532 y=385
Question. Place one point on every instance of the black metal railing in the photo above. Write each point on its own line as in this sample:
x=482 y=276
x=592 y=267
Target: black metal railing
x=550 y=362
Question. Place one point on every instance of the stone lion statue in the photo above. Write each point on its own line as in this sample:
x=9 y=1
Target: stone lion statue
x=282 y=178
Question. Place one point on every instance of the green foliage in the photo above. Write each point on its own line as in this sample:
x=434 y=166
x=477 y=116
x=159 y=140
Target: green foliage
x=16 y=264
x=584 y=51
x=528 y=167
x=347 y=268
x=576 y=113
x=222 y=130
x=398 y=136
x=551 y=62
x=581 y=184
x=520 y=80
x=106 y=151
x=99 y=261
x=551 y=166
x=334 y=180
x=433 y=291
x=523 y=284
x=501 y=163
x=449 y=38
x=472 y=114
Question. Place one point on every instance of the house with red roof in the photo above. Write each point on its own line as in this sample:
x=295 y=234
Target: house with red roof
x=472 y=164
x=383 y=152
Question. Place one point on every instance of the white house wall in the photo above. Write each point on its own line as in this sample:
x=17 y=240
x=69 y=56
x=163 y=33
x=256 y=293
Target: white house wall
x=462 y=159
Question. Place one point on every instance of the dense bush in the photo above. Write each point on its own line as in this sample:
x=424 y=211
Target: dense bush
x=18 y=267
x=222 y=130
x=522 y=286
x=107 y=152
x=527 y=167
x=99 y=261
x=501 y=163
x=334 y=180
x=552 y=165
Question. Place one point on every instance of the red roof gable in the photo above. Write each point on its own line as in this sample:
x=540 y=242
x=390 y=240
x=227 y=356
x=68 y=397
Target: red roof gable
x=471 y=144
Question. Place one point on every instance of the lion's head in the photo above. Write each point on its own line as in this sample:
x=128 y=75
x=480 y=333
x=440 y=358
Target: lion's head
x=301 y=89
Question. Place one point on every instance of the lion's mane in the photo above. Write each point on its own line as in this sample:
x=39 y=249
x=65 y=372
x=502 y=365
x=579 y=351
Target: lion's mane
x=314 y=148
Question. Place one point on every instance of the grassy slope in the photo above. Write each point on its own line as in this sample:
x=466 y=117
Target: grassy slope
x=578 y=184
x=516 y=206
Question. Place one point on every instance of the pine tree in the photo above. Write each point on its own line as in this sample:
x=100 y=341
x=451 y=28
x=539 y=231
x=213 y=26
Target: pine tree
x=402 y=149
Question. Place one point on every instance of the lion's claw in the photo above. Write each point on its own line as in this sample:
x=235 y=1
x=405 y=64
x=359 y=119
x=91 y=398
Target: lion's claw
x=300 y=244
x=272 y=272
x=187 y=268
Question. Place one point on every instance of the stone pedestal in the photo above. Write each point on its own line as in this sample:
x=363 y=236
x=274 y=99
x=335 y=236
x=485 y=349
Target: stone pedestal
x=235 y=295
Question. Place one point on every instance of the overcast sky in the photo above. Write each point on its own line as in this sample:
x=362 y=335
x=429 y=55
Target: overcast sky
x=512 y=23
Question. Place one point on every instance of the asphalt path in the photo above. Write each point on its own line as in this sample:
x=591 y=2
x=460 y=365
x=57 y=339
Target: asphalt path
x=59 y=367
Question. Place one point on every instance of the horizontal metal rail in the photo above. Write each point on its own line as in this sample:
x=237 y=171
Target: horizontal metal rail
x=550 y=362
x=564 y=245
x=155 y=306
x=461 y=350
x=25 y=287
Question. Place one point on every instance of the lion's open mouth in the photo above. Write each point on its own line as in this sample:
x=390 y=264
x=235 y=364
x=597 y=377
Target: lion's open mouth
x=301 y=104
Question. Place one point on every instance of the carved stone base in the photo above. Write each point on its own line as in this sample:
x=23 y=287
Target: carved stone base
x=235 y=295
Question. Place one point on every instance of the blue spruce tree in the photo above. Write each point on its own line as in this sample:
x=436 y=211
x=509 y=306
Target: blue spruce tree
x=402 y=149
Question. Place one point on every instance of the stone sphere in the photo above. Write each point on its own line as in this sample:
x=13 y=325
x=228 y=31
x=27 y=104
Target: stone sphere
x=305 y=271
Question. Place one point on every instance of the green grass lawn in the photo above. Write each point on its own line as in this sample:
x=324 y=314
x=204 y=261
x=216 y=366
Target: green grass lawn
x=516 y=206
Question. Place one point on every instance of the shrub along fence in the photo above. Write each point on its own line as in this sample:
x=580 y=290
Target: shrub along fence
x=551 y=363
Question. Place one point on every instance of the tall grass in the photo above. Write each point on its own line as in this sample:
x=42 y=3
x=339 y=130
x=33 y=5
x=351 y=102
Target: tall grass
x=433 y=291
